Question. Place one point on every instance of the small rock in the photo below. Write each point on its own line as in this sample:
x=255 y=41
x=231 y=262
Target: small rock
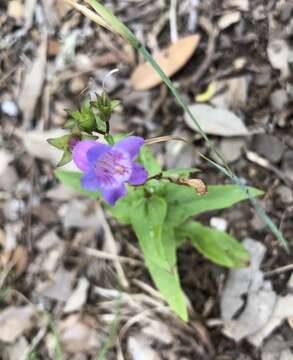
x=279 y=99
x=48 y=241
x=15 y=9
x=219 y=223
x=276 y=349
x=158 y=331
x=288 y=164
x=77 y=85
x=231 y=149
x=14 y=209
x=139 y=349
x=9 y=108
x=269 y=146
x=285 y=194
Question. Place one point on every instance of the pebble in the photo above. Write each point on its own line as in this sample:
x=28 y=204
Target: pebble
x=288 y=164
x=231 y=149
x=285 y=194
x=279 y=99
x=9 y=108
x=219 y=223
x=268 y=146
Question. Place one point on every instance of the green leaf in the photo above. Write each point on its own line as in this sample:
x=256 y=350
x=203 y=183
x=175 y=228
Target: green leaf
x=147 y=218
x=184 y=202
x=168 y=282
x=66 y=158
x=114 y=104
x=121 y=210
x=216 y=245
x=147 y=159
x=60 y=142
x=158 y=244
x=72 y=180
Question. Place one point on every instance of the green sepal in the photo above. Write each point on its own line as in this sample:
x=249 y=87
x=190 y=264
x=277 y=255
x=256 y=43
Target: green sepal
x=60 y=142
x=66 y=158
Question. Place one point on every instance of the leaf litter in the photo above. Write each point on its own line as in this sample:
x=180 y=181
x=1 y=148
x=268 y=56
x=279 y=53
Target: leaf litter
x=250 y=80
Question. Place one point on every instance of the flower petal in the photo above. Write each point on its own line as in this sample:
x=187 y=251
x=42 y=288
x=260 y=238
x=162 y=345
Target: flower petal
x=139 y=175
x=89 y=181
x=131 y=145
x=112 y=195
x=79 y=154
x=96 y=151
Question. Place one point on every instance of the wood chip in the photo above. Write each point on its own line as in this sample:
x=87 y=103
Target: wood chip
x=32 y=84
x=171 y=60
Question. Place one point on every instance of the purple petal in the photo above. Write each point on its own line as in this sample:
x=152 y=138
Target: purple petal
x=96 y=151
x=138 y=176
x=131 y=145
x=112 y=195
x=90 y=181
x=79 y=154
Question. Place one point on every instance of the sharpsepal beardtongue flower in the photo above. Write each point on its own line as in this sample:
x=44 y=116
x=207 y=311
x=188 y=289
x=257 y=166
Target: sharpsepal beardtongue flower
x=108 y=168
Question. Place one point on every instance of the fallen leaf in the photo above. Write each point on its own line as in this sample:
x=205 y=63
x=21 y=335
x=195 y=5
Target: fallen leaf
x=5 y=158
x=17 y=258
x=238 y=4
x=15 y=9
x=216 y=121
x=35 y=143
x=32 y=84
x=14 y=321
x=76 y=214
x=282 y=311
x=16 y=350
x=78 y=297
x=61 y=287
x=276 y=349
x=139 y=349
x=279 y=53
x=78 y=337
x=29 y=9
x=231 y=93
x=229 y=19
x=261 y=299
x=170 y=60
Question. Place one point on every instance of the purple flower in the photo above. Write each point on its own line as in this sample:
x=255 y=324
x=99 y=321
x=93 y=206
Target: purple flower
x=107 y=168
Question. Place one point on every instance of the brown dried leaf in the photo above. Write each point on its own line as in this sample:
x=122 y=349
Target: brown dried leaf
x=32 y=84
x=17 y=258
x=197 y=184
x=171 y=60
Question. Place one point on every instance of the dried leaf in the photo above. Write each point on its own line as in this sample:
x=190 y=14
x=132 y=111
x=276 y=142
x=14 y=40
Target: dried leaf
x=35 y=143
x=14 y=321
x=32 y=84
x=261 y=299
x=216 y=121
x=139 y=349
x=229 y=19
x=17 y=257
x=78 y=297
x=282 y=311
x=171 y=60
x=278 y=53
x=29 y=9
x=15 y=9
x=5 y=159
x=197 y=184
x=78 y=337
